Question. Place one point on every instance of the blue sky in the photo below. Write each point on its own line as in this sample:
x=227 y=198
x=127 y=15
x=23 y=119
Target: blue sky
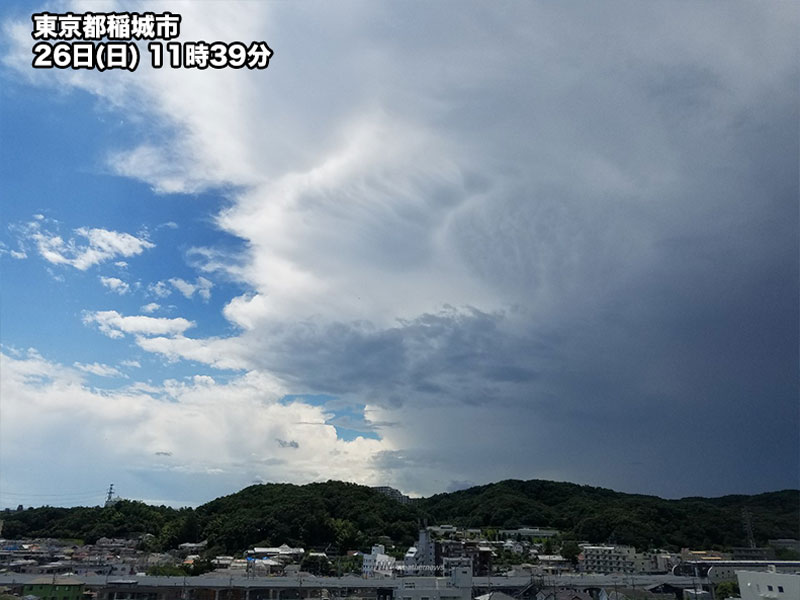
x=429 y=245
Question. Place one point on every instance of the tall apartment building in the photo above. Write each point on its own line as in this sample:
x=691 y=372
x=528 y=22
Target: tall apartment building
x=440 y=557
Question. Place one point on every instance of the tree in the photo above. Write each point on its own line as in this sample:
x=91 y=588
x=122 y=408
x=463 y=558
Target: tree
x=570 y=550
x=316 y=565
x=727 y=589
x=548 y=546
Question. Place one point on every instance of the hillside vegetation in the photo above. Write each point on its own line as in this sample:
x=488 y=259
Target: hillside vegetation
x=342 y=516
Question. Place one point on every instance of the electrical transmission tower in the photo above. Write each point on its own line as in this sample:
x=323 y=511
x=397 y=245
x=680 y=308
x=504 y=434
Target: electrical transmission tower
x=747 y=521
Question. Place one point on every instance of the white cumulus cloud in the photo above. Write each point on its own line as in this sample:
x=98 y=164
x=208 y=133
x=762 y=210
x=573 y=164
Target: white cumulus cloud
x=115 y=284
x=180 y=431
x=88 y=247
x=150 y=307
x=115 y=325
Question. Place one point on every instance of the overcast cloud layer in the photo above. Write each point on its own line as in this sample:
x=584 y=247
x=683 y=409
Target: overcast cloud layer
x=530 y=240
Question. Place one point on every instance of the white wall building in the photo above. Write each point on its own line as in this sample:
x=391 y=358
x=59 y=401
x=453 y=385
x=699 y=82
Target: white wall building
x=456 y=587
x=768 y=585
x=377 y=563
x=607 y=559
x=421 y=558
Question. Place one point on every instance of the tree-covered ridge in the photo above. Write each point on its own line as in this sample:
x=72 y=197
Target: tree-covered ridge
x=343 y=516
x=123 y=519
x=603 y=515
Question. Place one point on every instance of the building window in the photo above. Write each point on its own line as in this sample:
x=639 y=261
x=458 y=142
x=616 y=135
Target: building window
x=769 y=588
x=780 y=589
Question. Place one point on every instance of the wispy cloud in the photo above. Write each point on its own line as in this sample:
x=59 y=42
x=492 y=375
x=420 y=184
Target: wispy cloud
x=159 y=289
x=98 y=369
x=202 y=287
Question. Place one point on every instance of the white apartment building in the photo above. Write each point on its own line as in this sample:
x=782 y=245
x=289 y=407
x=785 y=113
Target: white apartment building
x=377 y=562
x=421 y=558
x=768 y=585
x=607 y=559
x=456 y=587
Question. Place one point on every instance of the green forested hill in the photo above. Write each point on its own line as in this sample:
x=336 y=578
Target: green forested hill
x=600 y=515
x=345 y=516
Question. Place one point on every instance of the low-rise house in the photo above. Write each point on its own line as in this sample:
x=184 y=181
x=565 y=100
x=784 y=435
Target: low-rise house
x=282 y=551
x=54 y=588
x=494 y=596
x=562 y=594
x=554 y=564
x=631 y=593
x=259 y=566
x=513 y=546
x=785 y=544
x=222 y=561
x=193 y=547
x=529 y=533
x=444 y=530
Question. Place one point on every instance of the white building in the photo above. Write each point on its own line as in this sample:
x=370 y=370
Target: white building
x=443 y=530
x=513 y=546
x=377 y=562
x=529 y=533
x=553 y=564
x=768 y=585
x=282 y=552
x=421 y=558
x=456 y=587
x=607 y=559
x=690 y=594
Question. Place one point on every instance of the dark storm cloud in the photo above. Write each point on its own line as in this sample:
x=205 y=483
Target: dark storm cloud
x=662 y=316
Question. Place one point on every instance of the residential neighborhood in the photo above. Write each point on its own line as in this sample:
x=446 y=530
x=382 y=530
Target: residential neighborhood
x=445 y=563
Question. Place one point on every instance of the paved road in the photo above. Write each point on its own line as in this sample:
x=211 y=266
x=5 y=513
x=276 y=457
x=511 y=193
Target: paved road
x=215 y=582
